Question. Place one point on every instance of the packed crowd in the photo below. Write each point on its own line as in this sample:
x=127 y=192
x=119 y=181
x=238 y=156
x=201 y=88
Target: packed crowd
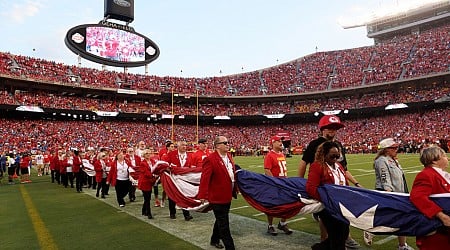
x=48 y=99
x=359 y=136
x=402 y=57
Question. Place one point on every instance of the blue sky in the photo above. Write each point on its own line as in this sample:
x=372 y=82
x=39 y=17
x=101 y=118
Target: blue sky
x=197 y=37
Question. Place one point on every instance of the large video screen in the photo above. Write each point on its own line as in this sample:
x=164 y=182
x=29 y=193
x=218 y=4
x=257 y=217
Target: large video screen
x=119 y=47
x=115 y=44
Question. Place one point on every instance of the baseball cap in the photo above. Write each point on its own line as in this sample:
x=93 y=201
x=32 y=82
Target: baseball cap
x=388 y=143
x=330 y=121
x=276 y=138
x=202 y=140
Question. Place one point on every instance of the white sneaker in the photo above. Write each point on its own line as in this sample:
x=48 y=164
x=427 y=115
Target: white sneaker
x=405 y=247
x=368 y=237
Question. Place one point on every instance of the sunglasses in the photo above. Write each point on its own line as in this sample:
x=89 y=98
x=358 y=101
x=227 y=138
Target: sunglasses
x=222 y=142
x=335 y=157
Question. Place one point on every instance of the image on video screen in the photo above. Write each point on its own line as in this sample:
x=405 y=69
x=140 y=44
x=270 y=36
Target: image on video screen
x=115 y=44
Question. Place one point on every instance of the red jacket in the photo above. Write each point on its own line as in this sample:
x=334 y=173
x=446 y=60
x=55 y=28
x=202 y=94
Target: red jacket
x=199 y=156
x=146 y=179
x=77 y=164
x=174 y=160
x=112 y=176
x=319 y=175
x=215 y=183
x=136 y=167
x=428 y=182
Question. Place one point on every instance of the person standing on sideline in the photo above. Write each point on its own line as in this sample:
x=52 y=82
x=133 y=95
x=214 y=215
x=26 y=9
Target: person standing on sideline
x=101 y=173
x=217 y=186
x=119 y=177
x=179 y=158
x=201 y=153
x=275 y=165
x=146 y=181
x=433 y=179
x=77 y=168
x=134 y=162
x=328 y=126
x=389 y=175
x=326 y=170
x=162 y=155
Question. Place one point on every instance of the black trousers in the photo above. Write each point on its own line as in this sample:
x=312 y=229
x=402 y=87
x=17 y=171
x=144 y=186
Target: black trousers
x=79 y=180
x=102 y=186
x=337 y=232
x=64 y=180
x=173 y=210
x=221 y=230
x=146 y=210
x=70 y=177
x=122 y=188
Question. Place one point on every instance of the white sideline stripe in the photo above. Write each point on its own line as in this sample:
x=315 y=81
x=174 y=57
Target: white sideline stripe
x=298 y=219
x=256 y=215
x=236 y=208
x=391 y=237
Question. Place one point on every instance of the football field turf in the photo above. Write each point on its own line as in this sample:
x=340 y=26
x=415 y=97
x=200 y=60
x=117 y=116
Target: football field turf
x=43 y=215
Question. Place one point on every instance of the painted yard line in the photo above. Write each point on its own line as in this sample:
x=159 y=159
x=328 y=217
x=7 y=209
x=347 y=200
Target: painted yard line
x=236 y=208
x=382 y=241
x=44 y=237
x=256 y=215
x=298 y=219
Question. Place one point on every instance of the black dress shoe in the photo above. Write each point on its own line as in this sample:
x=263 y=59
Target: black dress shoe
x=216 y=245
x=188 y=218
x=172 y=216
x=150 y=216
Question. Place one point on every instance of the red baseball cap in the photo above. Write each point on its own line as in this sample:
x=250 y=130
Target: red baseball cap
x=276 y=138
x=330 y=121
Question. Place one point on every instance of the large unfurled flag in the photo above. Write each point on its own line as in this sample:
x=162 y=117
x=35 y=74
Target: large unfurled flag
x=278 y=197
x=380 y=212
x=88 y=168
x=374 y=211
x=181 y=185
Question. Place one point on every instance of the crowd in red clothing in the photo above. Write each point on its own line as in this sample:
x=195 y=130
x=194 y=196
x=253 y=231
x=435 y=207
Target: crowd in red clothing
x=359 y=136
x=47 y=99
x=401 y=57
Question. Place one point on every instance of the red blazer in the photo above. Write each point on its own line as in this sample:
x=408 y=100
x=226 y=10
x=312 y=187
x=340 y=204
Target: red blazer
x=54 y=162
x=63 y=164
x=136 y=168
x=146 y=179
x=199 y=156
x=173 y=159
x=215 y=183
x=77 y=164
x=98 y=171
x=112 y=176
x=319 y=175
x=428 y=182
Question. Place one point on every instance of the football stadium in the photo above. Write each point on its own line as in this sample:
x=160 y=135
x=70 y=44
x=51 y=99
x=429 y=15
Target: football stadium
x=396 y=88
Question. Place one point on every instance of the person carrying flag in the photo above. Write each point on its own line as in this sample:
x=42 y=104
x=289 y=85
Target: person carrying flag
x=275 y=165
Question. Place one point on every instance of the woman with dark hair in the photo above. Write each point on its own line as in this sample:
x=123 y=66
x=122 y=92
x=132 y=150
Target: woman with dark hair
x=119 y=177
x=326 y=170
x=433 y=179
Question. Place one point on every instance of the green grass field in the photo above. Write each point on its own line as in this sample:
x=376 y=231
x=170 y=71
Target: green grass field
x=43 y=215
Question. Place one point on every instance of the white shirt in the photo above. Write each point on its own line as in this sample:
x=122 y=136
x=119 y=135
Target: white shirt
x=122 y=171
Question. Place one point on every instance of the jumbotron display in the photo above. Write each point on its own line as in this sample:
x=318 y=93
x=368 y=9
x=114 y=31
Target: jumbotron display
x=111 y=44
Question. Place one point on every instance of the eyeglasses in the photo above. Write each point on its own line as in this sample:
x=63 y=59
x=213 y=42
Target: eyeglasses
x=222 y=142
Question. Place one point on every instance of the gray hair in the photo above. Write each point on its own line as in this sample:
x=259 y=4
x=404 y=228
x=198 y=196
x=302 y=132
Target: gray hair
x=430 y=154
